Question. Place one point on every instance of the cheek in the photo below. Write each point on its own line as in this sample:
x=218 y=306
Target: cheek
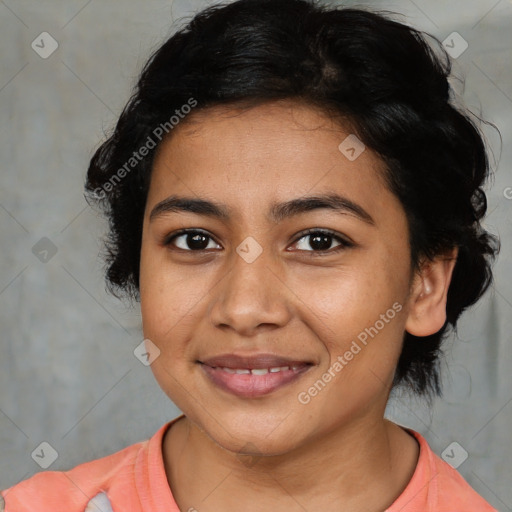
x=167 y=295
x=358 y=316
x=347 y=300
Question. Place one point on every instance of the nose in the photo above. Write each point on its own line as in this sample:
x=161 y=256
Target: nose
x=251 y=297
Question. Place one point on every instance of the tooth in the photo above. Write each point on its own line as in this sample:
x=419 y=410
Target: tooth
x=244 y=370
x=284 y=368
x=229 y=370
x=276 y=369
x=295 y=368
x=259 y=371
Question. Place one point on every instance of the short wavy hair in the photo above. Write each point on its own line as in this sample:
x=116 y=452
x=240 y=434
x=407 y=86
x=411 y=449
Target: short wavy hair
x=379 y=75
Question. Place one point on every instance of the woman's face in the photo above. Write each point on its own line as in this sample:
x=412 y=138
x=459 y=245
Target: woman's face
x=271 y=337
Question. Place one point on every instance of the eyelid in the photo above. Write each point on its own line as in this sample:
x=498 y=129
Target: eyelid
x=345 y=242
x=338 y=236
x=185 y=231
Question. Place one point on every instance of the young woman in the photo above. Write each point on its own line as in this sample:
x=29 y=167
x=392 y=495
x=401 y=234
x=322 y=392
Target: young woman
x=298 y=249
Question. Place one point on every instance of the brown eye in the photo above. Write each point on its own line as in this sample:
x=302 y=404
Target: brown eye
x=190 y=240
x=320 y=241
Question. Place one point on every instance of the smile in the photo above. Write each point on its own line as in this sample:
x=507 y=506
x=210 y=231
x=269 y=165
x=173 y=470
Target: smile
x=251 y=377
x=258 y=371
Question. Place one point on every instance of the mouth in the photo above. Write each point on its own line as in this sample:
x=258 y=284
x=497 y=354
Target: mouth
x=253 y=376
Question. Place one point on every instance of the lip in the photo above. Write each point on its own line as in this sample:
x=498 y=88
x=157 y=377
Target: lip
x=248 y=385
x=256 y=361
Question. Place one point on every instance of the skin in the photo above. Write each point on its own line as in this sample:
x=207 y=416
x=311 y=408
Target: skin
x=274 y=452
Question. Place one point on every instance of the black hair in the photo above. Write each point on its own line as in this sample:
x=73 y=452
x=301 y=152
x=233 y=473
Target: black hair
x=381 y=76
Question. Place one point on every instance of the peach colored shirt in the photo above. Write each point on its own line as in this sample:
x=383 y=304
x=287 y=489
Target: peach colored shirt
x=134 y=480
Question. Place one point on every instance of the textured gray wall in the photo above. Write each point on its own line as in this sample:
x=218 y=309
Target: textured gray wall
x=68 y=375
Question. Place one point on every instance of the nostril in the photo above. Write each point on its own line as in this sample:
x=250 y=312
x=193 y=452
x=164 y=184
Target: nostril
x=100 y=503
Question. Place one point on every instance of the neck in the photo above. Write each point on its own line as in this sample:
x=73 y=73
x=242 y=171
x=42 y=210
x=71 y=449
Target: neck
x=364 y=465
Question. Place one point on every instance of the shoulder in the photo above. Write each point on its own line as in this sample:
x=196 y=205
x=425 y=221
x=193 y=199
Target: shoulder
x=450 y=484
x=71 y=491
x=448 y=490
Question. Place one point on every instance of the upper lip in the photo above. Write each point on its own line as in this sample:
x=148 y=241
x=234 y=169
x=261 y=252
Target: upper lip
x=252 y=362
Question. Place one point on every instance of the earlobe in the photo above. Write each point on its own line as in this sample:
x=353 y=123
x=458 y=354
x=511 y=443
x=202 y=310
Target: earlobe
x=429 y=290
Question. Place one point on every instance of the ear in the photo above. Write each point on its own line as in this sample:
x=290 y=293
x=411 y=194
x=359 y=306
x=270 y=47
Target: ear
x=429 y=290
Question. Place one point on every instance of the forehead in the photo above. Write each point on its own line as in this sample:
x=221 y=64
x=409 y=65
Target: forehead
x=274 y=151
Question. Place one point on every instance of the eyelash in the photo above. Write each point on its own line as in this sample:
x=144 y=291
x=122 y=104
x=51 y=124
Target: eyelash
x=344 y=243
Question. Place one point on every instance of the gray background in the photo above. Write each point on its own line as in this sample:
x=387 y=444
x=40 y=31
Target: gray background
x=68 y=375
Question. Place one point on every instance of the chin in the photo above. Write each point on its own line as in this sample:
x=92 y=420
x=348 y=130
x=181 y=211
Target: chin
x=258 y=446
x=252 y=436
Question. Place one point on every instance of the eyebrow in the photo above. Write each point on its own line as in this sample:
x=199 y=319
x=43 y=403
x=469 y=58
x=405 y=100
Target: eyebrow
x=277 y=212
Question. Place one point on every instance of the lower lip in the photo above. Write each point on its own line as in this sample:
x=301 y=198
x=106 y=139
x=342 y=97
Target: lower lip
x=248 y=385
